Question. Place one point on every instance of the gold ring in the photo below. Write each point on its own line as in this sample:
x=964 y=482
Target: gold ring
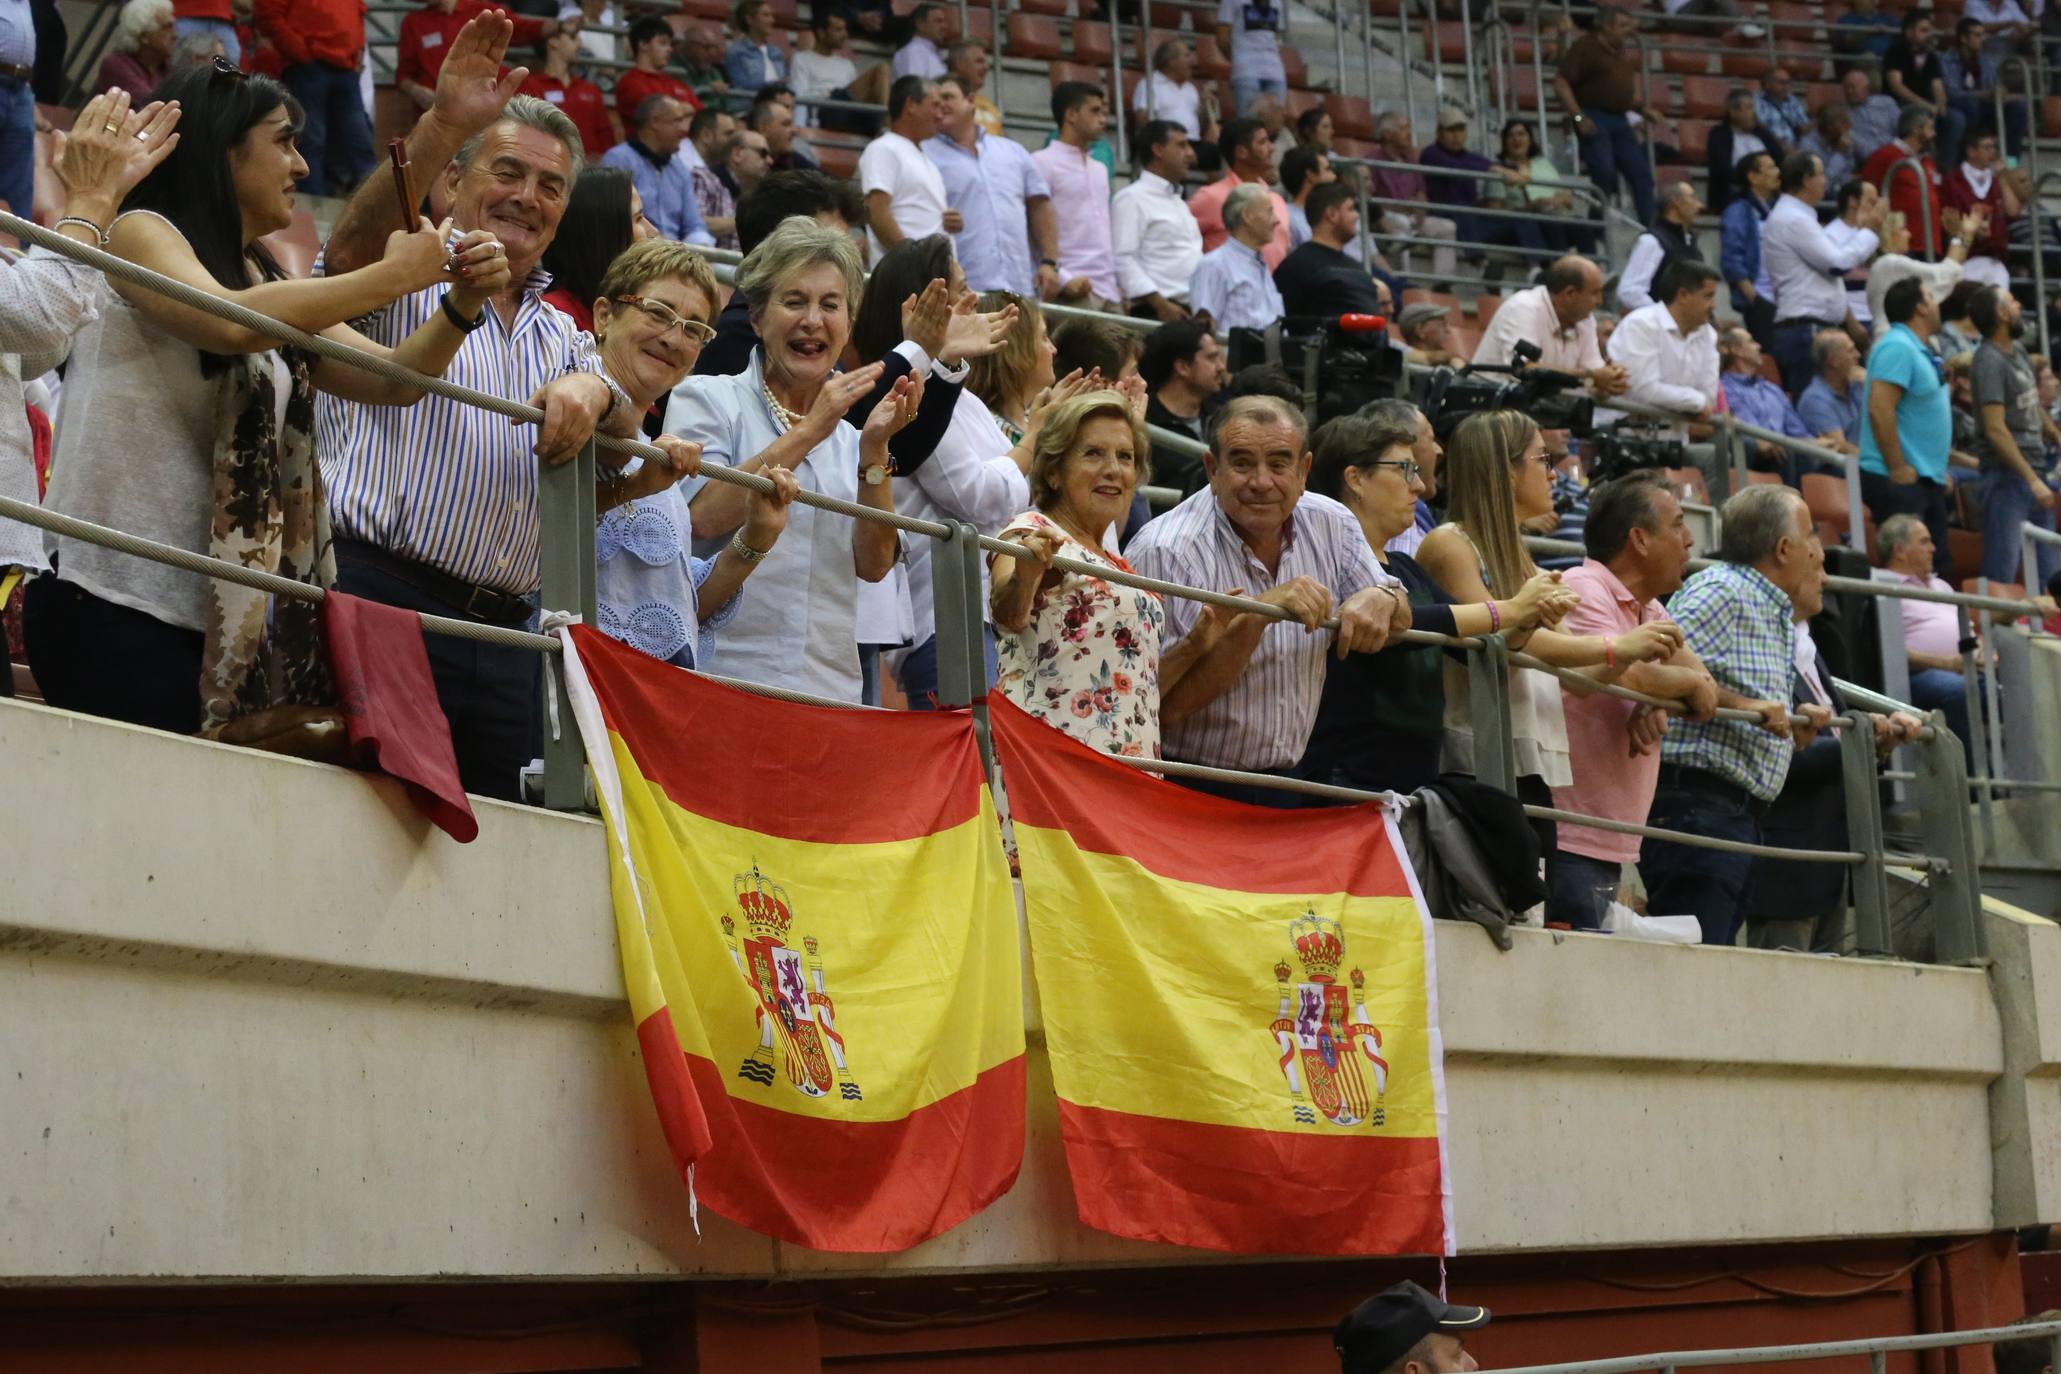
x=114 y=126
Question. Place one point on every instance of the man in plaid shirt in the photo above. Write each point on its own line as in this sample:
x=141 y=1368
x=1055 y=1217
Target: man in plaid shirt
x=1717 y=777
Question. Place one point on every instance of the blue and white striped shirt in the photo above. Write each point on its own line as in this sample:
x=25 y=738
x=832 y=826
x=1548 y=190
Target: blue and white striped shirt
x=1264 y=721
x=441 y=482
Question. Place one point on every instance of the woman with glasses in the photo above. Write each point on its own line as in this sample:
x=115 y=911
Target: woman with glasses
x=787 y=409
x=651 y=319
x=1381 y=722
x=1498 y=475
x=197 y=432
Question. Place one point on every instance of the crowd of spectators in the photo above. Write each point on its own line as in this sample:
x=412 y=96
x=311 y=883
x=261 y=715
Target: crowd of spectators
x=888 y=343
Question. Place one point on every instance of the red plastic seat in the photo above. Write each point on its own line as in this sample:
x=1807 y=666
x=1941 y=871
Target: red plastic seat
x=1826 y=497
x=1292 y=64
x=1350 y=115
x=1298 y=101
x=1693 y=138
x=1446 y=41
x=1034 y=36
x=1091 y=43
x=1054 y=7
x=1747 y=64
x=1703 y=97
x=1079 y=71
x=1169 y=16
x=1684 y=61
x=1210 y=62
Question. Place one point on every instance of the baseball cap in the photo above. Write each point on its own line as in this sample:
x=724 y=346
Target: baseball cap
x=1382 y=1329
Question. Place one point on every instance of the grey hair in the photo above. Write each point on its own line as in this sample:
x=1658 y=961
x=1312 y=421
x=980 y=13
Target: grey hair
x=139 y=17
x=1913 y=118
x=797 y=244
x=1242 y=196
x=1892 y=534
x=530 y=113
x=196 y=48
x=1756 y=521
x=1823 y=345
x=1164 y=53
x=1389 y=121
x=1264 y=409
x=1392 y=410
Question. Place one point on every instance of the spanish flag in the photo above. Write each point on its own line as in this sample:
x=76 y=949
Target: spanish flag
x=1239 y=1007
x=820 y=945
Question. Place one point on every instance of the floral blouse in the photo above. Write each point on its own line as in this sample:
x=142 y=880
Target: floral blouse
x=1088 y=662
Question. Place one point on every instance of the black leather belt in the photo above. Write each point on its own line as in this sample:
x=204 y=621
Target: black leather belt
x=468 y=599
x=1711 y=784
x=15 y=71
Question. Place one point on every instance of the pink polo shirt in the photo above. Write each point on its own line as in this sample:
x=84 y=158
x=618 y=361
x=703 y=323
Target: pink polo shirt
x=1207 y=205
x=1930 y=627
x=1607 y=782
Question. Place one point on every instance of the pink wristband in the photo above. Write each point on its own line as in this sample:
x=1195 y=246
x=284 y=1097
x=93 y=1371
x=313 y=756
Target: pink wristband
x=1495 y=618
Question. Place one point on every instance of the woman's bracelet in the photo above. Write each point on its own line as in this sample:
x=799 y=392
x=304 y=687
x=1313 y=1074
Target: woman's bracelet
x=1495 y=617
x=98 y=232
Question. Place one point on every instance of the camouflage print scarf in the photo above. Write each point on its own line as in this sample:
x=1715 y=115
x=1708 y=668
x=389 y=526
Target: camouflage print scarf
x=264 y=655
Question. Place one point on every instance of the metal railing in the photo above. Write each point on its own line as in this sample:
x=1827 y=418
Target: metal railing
x=567 y=581
x=1874 y=1348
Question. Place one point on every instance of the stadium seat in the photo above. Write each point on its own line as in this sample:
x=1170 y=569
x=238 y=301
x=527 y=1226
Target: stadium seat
x=1355 y=147
x=1292 y=63
x=1387 y=9
x=715 y=10
x=1524 y=90
x=1350 y=115
x=838 y=161
x=1826 y=497
x=1964 y=547
x=2050 y=115
x=1746 y=64
x=1764 y=479
x=1035 y=36
x=980 y=26
x=1446 y=41
x=1692 y=136
x=1296 y=102
x=1079 y=71
x=1091 y=43
x=1703 y=97
x=1673 y=174
x=1210 y=62
x=1167 y=16
x=1485 y=307
x=1052 y=7
x=1683 y=61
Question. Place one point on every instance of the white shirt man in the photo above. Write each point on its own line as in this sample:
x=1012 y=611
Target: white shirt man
x=1158 y=243
x=1803 y=263
x=919 y=57
x=1669 y=350
x=1233 y=285
x=916 y=193
x=1180 y=101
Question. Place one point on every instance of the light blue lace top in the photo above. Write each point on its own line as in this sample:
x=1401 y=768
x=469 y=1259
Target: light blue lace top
x=646 y=580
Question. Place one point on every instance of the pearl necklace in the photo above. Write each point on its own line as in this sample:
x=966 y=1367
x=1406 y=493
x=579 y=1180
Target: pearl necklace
x=783 y=417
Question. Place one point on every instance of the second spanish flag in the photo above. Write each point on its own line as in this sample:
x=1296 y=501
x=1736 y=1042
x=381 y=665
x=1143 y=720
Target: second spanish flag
x=1238 y=1004
x=820 y=948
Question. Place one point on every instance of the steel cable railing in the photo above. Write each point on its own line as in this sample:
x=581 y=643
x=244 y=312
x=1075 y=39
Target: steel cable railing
x=959 y=616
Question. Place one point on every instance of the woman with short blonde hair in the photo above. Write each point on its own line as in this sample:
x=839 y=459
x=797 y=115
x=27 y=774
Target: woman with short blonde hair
x=1079 y=651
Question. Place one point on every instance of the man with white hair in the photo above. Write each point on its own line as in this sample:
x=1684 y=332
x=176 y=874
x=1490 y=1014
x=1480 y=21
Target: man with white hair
x=1250 y=699
x=1392 y=132
x=434 y=506
x=1232 y=285
x=1672 y=235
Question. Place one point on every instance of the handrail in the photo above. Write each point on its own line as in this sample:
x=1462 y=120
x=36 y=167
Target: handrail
x=1785 y=1354
x=1925 y=202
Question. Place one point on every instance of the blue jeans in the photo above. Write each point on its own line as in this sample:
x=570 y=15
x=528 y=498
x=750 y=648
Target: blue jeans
x=1790 y=344
x=869 y=675
x=337 y=137
x=18 y=146
x=1688 y=880
x=1612 y=149
x=1936 y=689
x=1246 y=89
x=1953 y=124
x=1574 y=898
x=919 y=670
x=232 y=47
x=2007 y=503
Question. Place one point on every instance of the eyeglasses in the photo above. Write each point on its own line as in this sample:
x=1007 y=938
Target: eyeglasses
x=667 y=319
x=1408 y=468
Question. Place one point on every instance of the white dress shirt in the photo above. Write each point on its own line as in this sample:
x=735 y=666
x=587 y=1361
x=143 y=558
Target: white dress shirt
x=1181 y=102
x=1235 y=287
x=1807 y=268
x=1529 y=317
x=969 y=476
x=919 y=57
x=1666 y=368
x=45 y=300
x=1158 y=243
x=1635 y=282
x=1842 y=236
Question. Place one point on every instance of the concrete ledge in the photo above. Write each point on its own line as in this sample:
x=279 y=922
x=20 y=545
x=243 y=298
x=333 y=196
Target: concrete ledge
x=262 y=1022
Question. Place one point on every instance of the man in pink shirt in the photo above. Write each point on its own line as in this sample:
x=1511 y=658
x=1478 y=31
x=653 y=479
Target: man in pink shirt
x=1932 y=632
x=1638 y=546
x=1249 y=152
x=1080 y=200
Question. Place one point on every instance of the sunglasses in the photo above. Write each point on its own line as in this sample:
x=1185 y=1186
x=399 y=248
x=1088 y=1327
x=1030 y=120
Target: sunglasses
x=667 y=319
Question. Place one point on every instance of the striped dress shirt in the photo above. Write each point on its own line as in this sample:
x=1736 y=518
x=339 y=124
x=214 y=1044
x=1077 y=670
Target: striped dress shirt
x=1738 y=623
x=441 y=482
x=1263 y=722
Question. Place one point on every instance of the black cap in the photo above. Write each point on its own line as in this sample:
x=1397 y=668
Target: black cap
x=1382 y=1329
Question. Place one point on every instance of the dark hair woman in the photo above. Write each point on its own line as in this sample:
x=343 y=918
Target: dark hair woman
x=197 y=432
x=603 y=216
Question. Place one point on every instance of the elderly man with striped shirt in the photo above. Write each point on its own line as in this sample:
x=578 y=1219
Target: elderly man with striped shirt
x=435 y=508
x=1251 y=699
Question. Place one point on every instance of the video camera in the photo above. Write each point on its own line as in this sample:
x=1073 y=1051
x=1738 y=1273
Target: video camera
x=1341 y=361
x=1547 y=395
x=1632 y=445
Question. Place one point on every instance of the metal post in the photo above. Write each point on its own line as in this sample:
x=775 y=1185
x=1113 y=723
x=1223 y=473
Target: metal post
x=2039 y=255
x=1338 y=41
x=1488 y=701
x=1466 y=61
x=1944 y=829
x=1856 y=527
x=1864 y=833
x=1924 y=245
x=1731 y=453
x=951 y=604
x=1409 y=65
x=995 y=56
x=1366 y=228
x=1436 y=58
x=976 y=642
x=2029 y=563
x=1994 y=765
x=1367 y=51
x=565 y=550
x=1116 y=85
x=1538 y=79
x=1978 y=727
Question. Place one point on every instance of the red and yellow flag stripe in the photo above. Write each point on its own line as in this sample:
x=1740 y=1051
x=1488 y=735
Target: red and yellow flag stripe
x=820 y=948
x=1239 y=1007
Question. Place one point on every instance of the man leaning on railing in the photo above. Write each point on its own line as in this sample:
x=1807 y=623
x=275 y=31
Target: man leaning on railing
x=1557 y=315
x=435 y=506
x=1718 y=777
x=1250 y=702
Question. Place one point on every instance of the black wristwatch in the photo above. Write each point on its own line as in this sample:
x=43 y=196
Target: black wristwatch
x=458 y=321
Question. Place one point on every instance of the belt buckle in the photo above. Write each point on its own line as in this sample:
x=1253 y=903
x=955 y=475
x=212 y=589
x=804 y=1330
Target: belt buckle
x=472 y=602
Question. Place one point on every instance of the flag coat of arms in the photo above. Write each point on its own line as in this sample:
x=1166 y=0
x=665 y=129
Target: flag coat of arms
x=1240 y=1008
x=820 y=947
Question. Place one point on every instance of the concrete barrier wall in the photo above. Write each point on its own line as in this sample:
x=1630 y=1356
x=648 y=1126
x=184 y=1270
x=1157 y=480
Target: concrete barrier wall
x=258 y=1020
